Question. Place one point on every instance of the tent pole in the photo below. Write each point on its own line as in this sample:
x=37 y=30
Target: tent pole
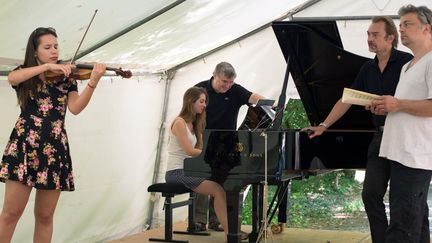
x=167 y=76
x=339 y=18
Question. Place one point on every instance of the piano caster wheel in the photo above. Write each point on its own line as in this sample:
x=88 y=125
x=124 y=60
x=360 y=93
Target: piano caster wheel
x=277 y=228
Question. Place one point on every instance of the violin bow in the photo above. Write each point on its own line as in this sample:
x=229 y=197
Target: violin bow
x=85 y=33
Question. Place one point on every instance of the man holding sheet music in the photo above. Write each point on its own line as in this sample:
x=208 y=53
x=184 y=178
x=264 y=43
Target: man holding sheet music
x=225 y=100
x=378 y=76
x=406 y=143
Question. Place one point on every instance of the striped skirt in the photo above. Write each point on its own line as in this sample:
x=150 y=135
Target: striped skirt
x=177 y=176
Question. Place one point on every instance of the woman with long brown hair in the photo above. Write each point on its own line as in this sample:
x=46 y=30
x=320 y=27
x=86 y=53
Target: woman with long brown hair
x=37 y=154
x=185 y=140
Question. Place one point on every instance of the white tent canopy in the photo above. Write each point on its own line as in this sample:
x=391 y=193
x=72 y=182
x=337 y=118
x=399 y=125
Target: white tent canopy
x=118 y=142
x=152 y=35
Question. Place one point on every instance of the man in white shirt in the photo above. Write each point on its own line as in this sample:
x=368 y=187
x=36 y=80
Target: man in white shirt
x=406 y=141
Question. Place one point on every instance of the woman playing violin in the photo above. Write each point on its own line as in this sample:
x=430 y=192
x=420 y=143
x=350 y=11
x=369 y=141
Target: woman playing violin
x=37 y=154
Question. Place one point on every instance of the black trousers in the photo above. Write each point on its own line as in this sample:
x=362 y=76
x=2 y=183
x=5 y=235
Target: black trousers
x=408 y=205
x=283 y=202
x=203 y=205
x=408 y=199
x=374 y=188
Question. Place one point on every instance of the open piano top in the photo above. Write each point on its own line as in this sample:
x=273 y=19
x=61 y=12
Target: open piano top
x=321 y=68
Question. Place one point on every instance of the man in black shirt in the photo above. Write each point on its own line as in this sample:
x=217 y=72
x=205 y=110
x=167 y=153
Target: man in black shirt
x=225 y=100
x=378 y=76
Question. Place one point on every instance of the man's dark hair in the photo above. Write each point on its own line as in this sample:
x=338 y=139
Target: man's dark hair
x=390 y=27
x=424 y=14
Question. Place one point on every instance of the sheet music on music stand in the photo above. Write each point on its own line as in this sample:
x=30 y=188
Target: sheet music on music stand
x=265 y=102
x=266 y=105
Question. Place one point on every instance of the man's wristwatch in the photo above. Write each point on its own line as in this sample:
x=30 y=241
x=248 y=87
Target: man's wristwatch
x=322 y=124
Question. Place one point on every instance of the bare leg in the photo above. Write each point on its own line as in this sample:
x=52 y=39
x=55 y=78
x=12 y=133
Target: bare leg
x=215 y=190
x=15 y=200
x=46 y=202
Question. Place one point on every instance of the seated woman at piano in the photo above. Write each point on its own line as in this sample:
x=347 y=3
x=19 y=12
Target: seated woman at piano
x=185 y=141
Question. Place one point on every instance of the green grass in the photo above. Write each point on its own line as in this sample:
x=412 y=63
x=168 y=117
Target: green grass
x=317 y=199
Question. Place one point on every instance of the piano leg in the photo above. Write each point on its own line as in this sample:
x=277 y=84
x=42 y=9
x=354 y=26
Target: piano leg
x=234 y=203
x=256 y=212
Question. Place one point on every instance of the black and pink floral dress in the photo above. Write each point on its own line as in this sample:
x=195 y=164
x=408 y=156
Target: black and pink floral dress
x=37 y=154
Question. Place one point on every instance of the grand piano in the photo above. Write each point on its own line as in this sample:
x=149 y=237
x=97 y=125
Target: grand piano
x=261 y=149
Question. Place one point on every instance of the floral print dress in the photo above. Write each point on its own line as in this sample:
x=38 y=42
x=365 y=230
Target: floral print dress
x=37 y=154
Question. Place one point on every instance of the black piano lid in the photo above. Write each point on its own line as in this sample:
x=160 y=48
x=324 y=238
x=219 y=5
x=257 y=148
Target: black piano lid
x=321 y=68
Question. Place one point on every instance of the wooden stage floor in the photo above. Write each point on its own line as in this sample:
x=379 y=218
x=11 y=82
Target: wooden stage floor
x=289 y=235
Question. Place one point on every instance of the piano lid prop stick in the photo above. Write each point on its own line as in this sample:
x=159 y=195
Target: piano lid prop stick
x=264 y=232
x=282 y=98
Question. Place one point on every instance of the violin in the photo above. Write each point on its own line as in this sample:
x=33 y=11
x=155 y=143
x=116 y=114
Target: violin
x=83 y=72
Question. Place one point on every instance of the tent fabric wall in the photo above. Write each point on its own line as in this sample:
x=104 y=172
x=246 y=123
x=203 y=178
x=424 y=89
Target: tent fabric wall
x=188 y=30
x=113 y=149
x=70 y=19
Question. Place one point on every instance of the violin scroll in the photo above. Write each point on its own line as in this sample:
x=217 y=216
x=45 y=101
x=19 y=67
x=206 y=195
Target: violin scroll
x=123 y=73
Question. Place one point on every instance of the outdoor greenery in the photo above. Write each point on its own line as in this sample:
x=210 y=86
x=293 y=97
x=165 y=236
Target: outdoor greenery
x=320 y=198
x=316 y=200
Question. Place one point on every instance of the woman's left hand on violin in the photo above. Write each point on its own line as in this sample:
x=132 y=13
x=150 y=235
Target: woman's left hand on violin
x=97 y=72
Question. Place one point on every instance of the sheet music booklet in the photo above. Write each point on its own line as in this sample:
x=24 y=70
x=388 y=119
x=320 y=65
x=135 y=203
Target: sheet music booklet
x=356 y=97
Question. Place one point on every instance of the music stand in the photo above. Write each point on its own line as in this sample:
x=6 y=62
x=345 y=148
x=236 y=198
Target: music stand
x=264 y=232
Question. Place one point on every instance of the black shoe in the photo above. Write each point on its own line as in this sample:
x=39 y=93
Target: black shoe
x=199 y=227
x=216 y=227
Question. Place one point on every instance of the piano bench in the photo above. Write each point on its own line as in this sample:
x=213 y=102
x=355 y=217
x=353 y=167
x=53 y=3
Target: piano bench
x=170 y=190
